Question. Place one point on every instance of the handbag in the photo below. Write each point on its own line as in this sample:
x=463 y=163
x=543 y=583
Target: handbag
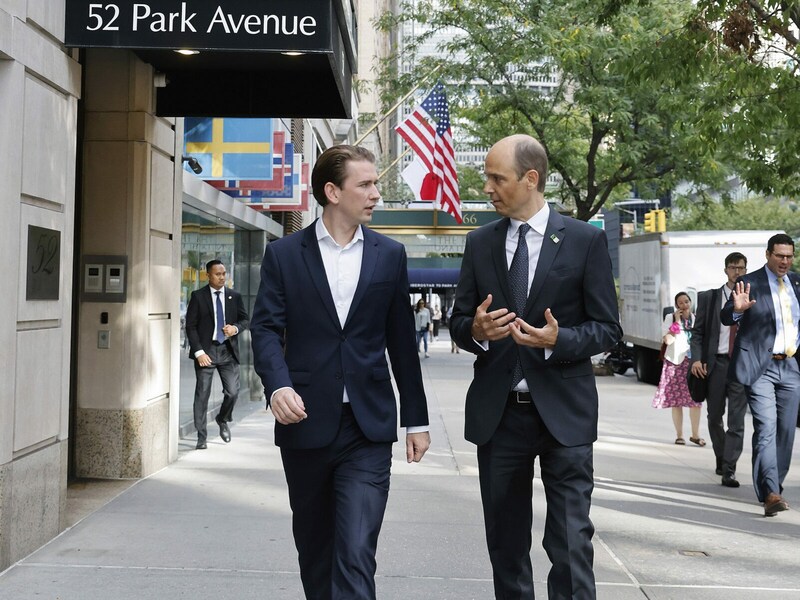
x=698 y=387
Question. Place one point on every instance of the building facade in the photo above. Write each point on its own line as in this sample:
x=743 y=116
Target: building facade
x=101 y=219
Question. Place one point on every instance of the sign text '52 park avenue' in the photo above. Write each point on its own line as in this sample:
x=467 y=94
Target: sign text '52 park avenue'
x=199 y=24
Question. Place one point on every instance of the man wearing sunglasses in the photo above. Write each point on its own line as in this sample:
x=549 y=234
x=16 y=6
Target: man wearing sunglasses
x=765 y=306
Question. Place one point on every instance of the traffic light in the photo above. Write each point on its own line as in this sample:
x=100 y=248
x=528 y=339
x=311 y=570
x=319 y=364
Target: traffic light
x=661 y=220
x=650 y=221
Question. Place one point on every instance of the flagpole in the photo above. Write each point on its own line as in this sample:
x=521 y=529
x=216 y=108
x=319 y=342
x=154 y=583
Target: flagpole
x=389 y=112
x=394 y=162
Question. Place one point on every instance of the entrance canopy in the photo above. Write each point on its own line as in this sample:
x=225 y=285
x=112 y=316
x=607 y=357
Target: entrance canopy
x=228 y=58
x=433 y=278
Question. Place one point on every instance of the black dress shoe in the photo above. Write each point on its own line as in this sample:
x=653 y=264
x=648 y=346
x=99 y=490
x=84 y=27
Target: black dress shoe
x=730 y=481
x=201 y=446
x=224 y=431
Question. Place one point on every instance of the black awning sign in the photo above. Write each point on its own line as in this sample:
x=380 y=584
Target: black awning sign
x=200 y=24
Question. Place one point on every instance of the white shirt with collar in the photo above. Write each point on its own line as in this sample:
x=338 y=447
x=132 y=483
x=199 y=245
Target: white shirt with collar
x=780 y=344
x=214 y=307
x=533 y=239
x=343 y=268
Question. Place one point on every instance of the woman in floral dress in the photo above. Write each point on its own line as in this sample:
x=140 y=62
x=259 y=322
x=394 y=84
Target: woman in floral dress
x=673 y=392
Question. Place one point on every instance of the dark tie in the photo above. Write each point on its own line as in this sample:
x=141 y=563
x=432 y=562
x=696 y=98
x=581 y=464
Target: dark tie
x=518 y=283
x=220 y=335
x=732 y=337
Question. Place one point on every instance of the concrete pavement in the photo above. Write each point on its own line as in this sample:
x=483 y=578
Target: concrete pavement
x=216 y=523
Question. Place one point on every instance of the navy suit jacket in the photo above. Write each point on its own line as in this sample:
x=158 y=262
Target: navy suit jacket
x=200 y=321
x=573 y=278
x=298 y=341
x=752 y=348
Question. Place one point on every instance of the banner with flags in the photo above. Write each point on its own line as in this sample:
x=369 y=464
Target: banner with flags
x=230 y=148
x=231 y=152
x=301 y=193
x=427 y=131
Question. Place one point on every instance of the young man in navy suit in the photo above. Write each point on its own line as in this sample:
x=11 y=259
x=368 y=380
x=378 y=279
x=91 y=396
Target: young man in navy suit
x=214 y=318
x=765 y=306
x=535 y=301
x=333 y=300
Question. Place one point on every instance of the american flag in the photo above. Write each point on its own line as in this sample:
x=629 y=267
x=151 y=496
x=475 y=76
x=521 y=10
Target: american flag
x=427 y=131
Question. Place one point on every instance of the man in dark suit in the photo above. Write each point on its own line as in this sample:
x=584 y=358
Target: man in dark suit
x=214 y=318
x=765 y=305
x=535 y=301
x=333 y=300
x=711 y=349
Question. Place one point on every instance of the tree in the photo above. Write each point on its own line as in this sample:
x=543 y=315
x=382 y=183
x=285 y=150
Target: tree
x=753 y=213
x=754 y=126
x=626 y=107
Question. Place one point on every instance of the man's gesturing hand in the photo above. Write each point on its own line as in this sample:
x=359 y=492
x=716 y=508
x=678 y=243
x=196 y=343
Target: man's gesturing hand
x=536 y=337
x=491 y=325
x=741 y=297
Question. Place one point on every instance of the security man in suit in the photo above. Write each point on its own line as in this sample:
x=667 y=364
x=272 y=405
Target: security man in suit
x=712 y=345
x=333 y=300
x=765 y=305
x=535 y=301
x=214 y=318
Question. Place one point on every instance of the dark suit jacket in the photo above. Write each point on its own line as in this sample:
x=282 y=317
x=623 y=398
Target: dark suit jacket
x=752 y=350
x=705 y=333
x=298 y=341
x=200 y=319
x=573 y=278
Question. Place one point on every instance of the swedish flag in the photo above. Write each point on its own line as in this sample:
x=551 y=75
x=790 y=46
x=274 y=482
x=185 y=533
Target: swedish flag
x=230 y=148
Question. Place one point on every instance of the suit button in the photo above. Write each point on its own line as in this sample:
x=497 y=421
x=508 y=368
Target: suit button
x=343 y=338
x=338 y=375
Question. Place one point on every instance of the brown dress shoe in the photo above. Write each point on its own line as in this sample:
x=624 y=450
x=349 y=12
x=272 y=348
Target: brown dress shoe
x=774 y=504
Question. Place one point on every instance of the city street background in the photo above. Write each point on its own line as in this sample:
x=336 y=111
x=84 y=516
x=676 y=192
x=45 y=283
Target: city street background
x=216 y=523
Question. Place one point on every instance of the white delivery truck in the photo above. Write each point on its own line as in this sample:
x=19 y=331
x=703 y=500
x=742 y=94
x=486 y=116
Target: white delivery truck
x=656 y=266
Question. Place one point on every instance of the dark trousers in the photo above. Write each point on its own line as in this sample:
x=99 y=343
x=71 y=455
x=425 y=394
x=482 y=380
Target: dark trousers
x=223 y=362
x=338 y=497
x=728 y=443
x=506 y=467
x=773 y=400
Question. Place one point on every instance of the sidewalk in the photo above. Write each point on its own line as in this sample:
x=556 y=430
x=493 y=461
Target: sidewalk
x=216 y=523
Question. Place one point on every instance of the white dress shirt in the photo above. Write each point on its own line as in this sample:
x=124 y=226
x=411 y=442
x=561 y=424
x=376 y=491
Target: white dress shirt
x=343 y=268
x=214 y=307
x=724 y=330
x=533 y=239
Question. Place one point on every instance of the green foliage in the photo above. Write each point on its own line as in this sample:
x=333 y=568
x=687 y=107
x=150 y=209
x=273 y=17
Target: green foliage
x=751 y=109
x=753 y=213
x=630 y=107
x=470 y=183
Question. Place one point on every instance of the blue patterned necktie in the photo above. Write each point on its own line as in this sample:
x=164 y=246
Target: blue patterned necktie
x=518 y=283
x=220 y=335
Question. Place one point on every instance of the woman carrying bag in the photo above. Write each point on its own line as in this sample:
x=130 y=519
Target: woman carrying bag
x=673 y=392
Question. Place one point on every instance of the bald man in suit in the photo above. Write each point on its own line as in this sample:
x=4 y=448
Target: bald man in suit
x=535 y=301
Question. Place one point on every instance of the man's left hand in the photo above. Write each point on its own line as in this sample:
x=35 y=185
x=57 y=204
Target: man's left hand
x=416 y=445
x=229 y=330
x=536 y=337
